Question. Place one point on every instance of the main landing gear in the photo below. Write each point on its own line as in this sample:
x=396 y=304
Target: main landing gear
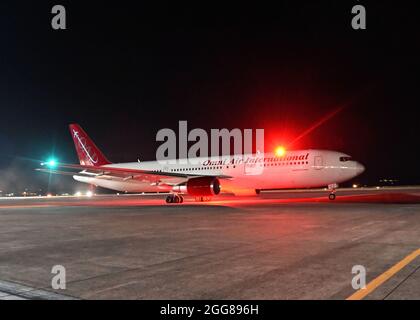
x=177 y=198
x=174 y=198
x=331 y=189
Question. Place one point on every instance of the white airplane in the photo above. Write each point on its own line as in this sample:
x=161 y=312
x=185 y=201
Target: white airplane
x=207 y=177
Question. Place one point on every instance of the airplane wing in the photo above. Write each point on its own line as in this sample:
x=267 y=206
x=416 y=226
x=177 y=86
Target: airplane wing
x=64 y=173
x=122 y=173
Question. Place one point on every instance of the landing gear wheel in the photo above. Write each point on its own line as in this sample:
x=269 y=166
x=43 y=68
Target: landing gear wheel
x=331 y=196
x=174 y=198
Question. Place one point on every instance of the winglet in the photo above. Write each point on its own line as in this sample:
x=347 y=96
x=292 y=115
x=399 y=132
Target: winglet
x=88 y=153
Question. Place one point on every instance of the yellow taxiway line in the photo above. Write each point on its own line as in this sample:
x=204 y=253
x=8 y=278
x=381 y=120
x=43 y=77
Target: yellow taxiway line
x=375 y=283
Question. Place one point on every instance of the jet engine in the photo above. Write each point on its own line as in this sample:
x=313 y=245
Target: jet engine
x=200 y=187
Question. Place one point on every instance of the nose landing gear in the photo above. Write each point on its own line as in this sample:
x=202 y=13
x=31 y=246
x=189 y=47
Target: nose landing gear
x=331 y=189
x=331 y=196
x=174 y=198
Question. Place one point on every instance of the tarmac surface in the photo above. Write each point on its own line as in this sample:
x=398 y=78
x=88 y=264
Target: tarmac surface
x=280 y=245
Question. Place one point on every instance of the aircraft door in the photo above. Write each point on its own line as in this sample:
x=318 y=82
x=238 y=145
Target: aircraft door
x=254 y=165
x=318 y=162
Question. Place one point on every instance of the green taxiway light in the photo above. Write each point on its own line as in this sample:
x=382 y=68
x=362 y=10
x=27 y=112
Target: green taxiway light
x=51 y=163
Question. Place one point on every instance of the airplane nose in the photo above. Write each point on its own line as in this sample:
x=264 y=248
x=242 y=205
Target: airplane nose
x=360 y=168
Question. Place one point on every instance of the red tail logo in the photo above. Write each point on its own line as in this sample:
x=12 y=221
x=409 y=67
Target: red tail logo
x=87 y=151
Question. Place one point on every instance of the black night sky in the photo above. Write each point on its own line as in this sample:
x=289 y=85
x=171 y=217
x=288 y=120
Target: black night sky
x=124 y=70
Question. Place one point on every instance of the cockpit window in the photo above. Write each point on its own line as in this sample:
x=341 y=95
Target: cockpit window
x=344 y=159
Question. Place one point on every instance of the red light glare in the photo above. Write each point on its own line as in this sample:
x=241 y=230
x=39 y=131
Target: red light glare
x=280 y=151
x=318 y=124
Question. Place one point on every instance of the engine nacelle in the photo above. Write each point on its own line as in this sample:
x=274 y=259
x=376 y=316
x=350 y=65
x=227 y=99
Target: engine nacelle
x=200 y=187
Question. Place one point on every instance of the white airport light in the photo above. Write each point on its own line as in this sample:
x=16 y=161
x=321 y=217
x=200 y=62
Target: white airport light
x=78 y=194
x=355 y=186
x=89 y=194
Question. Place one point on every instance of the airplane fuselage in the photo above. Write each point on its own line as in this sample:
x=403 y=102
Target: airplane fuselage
x=296 y=169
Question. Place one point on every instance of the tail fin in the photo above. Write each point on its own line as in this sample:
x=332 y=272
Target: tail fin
x=87 y=151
